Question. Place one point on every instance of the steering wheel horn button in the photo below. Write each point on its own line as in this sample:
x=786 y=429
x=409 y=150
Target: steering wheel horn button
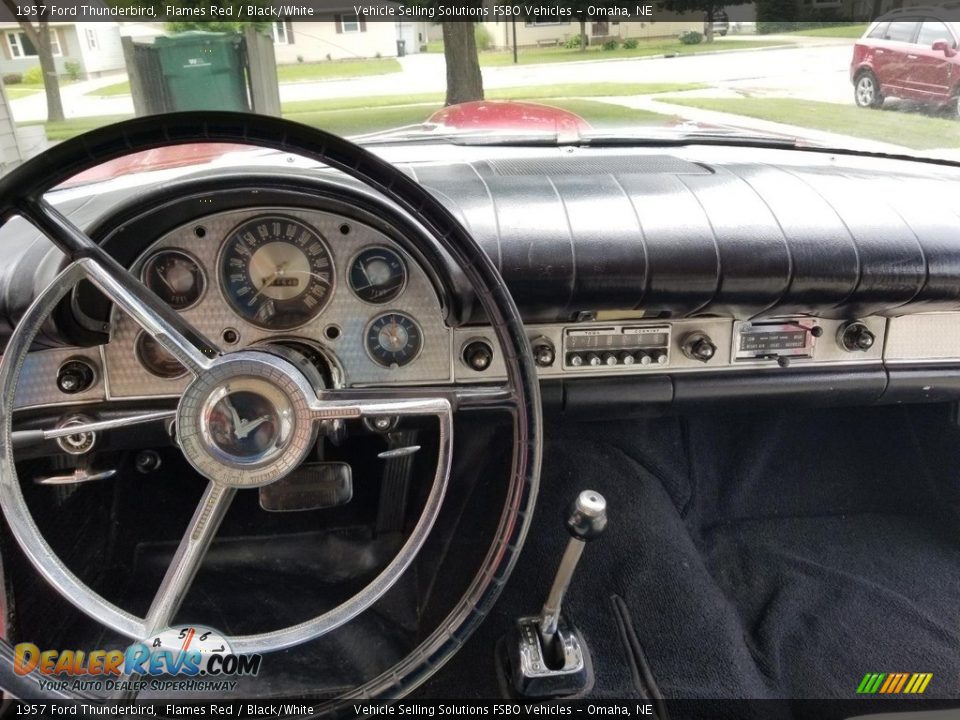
x=247 y=421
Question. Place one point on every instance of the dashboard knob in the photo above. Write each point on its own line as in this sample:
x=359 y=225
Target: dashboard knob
x=627 y=358
x=544 y=354
x=855 y=337
x=478 y=355
x=643 y=358
x=699 y=346
x=594 y=360
x=610 y=359
x=576 y=360
x=75 y=376
x=659 y=357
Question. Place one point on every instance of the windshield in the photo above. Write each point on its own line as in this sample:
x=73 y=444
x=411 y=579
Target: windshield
x=830 y=74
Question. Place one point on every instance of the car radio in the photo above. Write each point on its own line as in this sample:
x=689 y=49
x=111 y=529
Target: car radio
x=781 y=339
x=616 y=345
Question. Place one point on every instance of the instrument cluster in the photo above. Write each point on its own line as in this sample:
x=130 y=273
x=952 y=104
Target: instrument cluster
x=287 y=275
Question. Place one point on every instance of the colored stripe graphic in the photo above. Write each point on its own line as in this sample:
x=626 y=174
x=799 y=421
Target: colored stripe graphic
x=894 y=683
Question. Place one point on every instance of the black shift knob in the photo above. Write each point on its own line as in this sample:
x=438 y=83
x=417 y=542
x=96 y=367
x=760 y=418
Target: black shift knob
x=587 y=515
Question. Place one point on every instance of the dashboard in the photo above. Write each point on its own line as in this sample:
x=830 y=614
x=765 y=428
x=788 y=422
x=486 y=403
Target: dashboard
x=706 y=265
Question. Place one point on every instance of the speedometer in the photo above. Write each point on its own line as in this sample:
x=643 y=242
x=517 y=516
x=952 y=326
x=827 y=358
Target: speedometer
x=276 y=272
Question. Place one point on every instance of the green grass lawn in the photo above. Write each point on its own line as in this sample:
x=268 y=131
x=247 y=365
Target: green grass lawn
x=900 y=127
x=15 y=92
x=530 y=56
x=435 y=46
x=836 y=31
x=120 y=88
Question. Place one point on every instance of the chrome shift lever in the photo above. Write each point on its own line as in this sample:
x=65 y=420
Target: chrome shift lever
x=587 y=520
x=545 y=656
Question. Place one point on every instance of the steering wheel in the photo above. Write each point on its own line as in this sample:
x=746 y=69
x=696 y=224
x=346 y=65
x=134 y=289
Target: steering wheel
x=286 y=384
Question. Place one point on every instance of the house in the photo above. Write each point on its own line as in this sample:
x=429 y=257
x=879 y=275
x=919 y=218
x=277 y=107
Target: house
x=344 y=35
x=553 y=32
x=94 y=46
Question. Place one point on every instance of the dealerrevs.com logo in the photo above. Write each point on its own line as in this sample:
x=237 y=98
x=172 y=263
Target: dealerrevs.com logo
x=185 y=658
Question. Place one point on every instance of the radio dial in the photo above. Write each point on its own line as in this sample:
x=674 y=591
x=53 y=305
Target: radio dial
x=576 y=360
x=644 y=358
x=609 y=358
x=593 y=360
x=627 y=358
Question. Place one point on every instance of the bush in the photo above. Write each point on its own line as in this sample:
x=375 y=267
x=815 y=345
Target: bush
x=482 y=37
x=72 y=68
x=34 y=76
x=299 y=58
x=572 y=42
x=611 y=45
x=12 y=79
x=630 y=44
x=691 y=37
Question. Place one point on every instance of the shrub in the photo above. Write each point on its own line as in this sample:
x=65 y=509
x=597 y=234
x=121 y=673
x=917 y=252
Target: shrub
x=482 y=37
x=611 y=45
x=630 y=44
x=299 y=58
x=72 y=68
x=378 y=55
x=572 y=42
x=691 y=37
x=12 y=79
x=34 y=76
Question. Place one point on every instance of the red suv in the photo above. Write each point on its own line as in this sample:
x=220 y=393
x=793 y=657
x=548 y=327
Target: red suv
x=910 y=54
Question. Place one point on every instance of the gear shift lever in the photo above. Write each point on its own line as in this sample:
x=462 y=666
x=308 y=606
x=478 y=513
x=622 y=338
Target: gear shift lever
x=587 y=519
x=547 y=656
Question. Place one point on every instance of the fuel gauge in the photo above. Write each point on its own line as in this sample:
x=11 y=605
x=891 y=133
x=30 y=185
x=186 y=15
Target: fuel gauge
x=176 y=277
x=377 y=275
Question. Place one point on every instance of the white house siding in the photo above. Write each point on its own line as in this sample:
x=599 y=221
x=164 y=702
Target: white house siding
x=106 y=58
x=532 y=35
x=10 y=155
x=316 y=41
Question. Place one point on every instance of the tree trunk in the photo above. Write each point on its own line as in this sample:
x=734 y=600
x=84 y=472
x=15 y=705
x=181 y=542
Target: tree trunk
x=708 y=30
x=583 y=35
x=464 y=81
x=51 y=82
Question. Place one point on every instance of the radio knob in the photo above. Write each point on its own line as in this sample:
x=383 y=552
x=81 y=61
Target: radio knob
x=855 y=337
x=627 y=358
x=698 y=346
x=594 y=360
x=659 y=357
x=643 y=358
x=610 y=359
x=575 y=360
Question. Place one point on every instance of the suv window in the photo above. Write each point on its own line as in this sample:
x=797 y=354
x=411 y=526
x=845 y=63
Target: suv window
x=879 y=32
x=902 y=31
x=933 y=30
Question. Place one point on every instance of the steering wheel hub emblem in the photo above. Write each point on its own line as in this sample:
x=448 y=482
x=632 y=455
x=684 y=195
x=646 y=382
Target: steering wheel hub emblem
x=246 y=421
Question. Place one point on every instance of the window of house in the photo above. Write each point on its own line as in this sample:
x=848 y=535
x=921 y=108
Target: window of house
x=281 y=33
x=350 y=23
x=20 y=45
x=537 y=22
x=92 y=39
x=933 y=30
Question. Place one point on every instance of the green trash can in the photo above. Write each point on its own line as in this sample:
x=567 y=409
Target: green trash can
x=204 y=70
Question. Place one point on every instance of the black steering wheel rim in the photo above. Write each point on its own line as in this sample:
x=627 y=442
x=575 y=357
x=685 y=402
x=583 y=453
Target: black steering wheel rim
x=30 y=181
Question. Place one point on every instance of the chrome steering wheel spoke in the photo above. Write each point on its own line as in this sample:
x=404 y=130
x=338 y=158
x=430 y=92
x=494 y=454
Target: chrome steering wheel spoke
x=157 y=318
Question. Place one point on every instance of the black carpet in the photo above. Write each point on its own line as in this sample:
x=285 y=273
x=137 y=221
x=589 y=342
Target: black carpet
x=782 y=555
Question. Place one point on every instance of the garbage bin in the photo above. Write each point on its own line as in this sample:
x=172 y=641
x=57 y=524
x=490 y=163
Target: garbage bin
x=204 y=70
x=401 y=48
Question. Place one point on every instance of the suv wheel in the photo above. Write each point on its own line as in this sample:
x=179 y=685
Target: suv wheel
x=867 y=91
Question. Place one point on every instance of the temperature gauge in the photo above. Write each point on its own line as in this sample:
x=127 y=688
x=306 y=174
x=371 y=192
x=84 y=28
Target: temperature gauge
x=377 y=275
x=155 y=358
x=394 y=340
x=175 y=277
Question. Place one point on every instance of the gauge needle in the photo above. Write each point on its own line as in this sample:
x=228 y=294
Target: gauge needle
x=268 y=281
x=363 y=269
x=165 y=281
x=247 y=427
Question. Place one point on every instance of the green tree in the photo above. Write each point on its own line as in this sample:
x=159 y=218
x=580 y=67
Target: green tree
x=707 y=8
x=39 y=36
x=216 y=26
